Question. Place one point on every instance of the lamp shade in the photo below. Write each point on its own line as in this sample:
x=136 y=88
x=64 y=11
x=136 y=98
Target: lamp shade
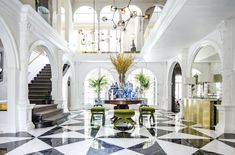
x=205 y=78
x=190 y=81
x=218 y=78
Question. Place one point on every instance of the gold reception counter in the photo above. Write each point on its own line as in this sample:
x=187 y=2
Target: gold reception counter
x=201 y=111
x=3 y=105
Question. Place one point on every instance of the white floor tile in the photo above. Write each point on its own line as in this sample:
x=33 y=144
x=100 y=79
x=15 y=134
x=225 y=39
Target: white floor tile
x=71 y=121
x=106 y=131
x=228 y=140
x=124 y=142
x=175 y=135
x=79 y=148
x=219 y=147
x=30 y=147
x=12 y=139
x=70 y=134
x=74 y=128
x=38 y=132
x=169 y=128
x=126 y=152
x=211 y=133
x=175 y=149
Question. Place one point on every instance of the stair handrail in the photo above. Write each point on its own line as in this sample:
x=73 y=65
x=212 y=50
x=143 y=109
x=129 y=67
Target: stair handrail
x=65 y=68
x=39 y=54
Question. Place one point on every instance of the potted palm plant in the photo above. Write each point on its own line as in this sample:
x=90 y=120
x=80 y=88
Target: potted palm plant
x=122 y=62
x=144 y=83
x=98 y=84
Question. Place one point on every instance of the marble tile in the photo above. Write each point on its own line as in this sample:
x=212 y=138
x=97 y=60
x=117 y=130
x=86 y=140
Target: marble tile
x=12 y=139
x=77 y=148
x=34 y=145
x=149 y=148
x=71 y=121
x=47 y=152
x=7 y=147
x=54 y=142
x=219 y=147
x=203 y=152
x=100 y=147
x=91 y=132
x=158 y=132
x=17 y=134
x=230 y=142
x=174 y=149
x=126 y=152
x=191 y=131
x=197 y=143
x=124 y=142
x=227 y=136
x=56 y=130
x=39 y=132
x=170 y=135
x=70 y=134
x=170 y=128
x=208 y=132
x=175 y=135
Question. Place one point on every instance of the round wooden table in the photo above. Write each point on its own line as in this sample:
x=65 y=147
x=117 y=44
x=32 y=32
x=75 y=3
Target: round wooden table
x=123 y=104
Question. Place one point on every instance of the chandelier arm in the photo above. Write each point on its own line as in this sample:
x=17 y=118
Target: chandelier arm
x=129 y=4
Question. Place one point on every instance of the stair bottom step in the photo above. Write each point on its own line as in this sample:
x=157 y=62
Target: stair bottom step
x=51 y=121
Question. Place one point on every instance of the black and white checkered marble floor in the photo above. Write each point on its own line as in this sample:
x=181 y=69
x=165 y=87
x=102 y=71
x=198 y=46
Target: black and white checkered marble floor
x=77 y=137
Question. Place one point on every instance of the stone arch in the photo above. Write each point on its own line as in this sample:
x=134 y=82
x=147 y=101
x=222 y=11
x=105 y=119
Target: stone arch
x=169 y=80
x=52 y=59
x=69 y=78
x=12 y=66
x=154 y=99
x=198 y=47
x=86 y=88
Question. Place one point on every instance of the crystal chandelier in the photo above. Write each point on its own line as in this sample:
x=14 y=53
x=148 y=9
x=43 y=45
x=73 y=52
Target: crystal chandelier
x=121 y=16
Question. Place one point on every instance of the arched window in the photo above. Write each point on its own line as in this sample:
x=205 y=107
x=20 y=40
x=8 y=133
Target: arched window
x=89 y=93
x=116 y=40
x=85 y=29
x=151 y=93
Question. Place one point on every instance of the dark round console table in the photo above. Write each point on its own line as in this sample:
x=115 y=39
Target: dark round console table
x=123 y=104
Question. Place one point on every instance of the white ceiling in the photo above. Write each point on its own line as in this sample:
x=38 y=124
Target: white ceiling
x=195 y=20
x=207 y=54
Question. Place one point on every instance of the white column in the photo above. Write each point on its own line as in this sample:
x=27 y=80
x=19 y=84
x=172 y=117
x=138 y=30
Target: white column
x=59 y=81
x=54 y=14
x=227 y=109
x=68 y=21
x=23 y=107
x=59 y=20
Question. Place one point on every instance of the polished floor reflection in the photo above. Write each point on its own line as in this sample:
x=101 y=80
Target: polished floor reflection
x=77 y=136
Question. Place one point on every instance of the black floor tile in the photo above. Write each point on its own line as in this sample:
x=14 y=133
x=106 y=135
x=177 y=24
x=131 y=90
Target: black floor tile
x=148 y=148
x=47 y=152
x=54 y=142
x=100 y=147
x=6 y=147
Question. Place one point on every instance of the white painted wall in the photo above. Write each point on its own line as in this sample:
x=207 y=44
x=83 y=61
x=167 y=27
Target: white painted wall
x=36 y=65
x=83 y=68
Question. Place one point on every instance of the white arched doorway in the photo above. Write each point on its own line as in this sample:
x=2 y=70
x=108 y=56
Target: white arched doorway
x=50 y=55
x=69 y=87
x=9 y=123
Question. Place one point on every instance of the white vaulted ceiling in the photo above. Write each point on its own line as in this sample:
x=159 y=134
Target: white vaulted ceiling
x=193 y=21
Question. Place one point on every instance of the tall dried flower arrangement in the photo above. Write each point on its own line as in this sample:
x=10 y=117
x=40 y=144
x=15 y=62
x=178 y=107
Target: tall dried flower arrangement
x=122 y=62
